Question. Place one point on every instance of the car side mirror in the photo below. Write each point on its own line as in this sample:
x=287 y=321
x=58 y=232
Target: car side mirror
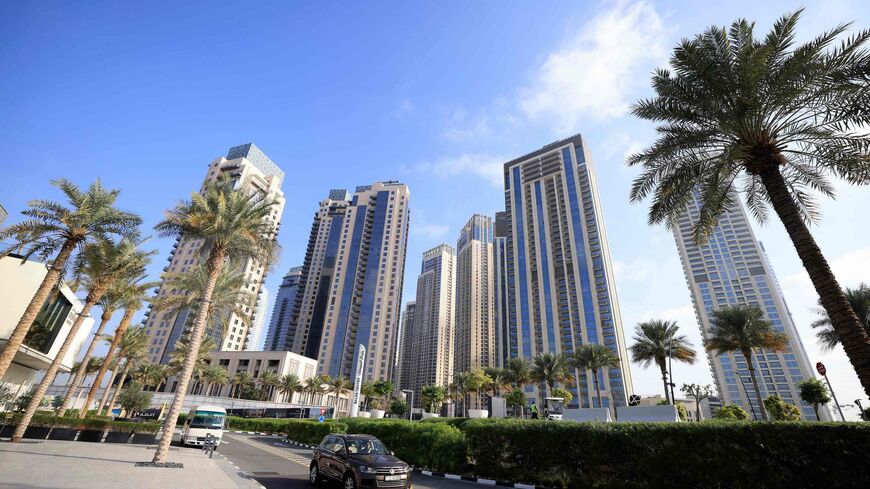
x=342 y=453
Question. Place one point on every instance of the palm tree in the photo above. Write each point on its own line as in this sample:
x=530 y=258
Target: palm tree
x=63 y=228
x=269 y=380
x=110 y=302
x=231 y=225
x=368 y=390
x=313 y=387
x=519 y=373
x=743 y=329
x=859 y=299
x=182 y=352
x=337 y=386
x=655 y=341
x=97 y=266
x=550 y=368
x=242 y=380
x=498 y=379
x=459 y=390
x=776 y=118
x=131 y=349
x=289 y=385
x=214 y=375
x=594 y=357
x=230 y=295
x=132 y=297
x=150 y=375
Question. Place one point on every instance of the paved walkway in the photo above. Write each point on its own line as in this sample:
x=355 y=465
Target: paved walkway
x=65 y=464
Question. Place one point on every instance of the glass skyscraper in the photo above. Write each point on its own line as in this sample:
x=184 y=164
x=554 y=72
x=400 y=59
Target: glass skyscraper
x=732 y=269
x=474 y=346
x=350 y=290
x=560 y=284
x=279 y=323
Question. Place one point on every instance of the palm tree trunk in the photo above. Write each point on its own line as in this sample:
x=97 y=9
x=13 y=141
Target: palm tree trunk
x=79 y=396
x=845 y=322
x=105 y=396
x=816 y=409
x=83 y=367
x=697 y=409
x=48 y=378
x=119 y=332
x=748 y=356
x=117 y=392
x=665 y=382
x=215 y=264
x=49 y=282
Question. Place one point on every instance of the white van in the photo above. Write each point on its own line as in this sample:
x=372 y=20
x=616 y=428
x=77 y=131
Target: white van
x=202 y=420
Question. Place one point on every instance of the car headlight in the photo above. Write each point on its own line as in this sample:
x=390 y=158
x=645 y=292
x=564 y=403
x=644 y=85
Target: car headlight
x=365 y=469
x=407 y=468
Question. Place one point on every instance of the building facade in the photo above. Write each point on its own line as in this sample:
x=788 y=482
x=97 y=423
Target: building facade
x=402 y=378
x=19 y=281
x=474 y=343
x=500 y=291
x=428 y=358
x=279 y=323
x=255 y=332
x=252 y=171
x=560 y=283
x=732 y=269
x=350 y=290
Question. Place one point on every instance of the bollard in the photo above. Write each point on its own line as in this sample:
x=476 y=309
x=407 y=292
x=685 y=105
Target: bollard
x=209 y=444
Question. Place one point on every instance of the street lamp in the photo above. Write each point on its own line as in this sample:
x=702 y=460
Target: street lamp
x=410 y=404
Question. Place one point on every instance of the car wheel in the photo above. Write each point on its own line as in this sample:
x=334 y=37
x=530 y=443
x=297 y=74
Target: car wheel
x=349 y=482
x=313 y=474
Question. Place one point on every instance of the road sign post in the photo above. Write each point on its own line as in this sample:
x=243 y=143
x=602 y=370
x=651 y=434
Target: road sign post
x=820 y=368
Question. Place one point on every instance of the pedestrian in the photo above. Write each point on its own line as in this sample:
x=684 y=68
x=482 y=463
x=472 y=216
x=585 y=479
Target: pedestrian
x=534 y=410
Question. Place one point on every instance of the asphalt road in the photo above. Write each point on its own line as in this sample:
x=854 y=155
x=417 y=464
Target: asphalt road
x=277 y=465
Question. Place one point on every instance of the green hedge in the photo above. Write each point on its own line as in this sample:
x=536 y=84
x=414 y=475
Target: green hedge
x=49 y=421
x=437 y=446
x=647 y=455
x=311 y=432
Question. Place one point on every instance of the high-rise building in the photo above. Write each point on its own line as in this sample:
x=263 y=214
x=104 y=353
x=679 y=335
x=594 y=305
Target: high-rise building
x=406 y=345
x=3 y=214
x=474 y=342
x=252 y=171
x=500 y=281
x=279 y=323
x=350 y=291
x=732 y=269
x=429 y=354
x=255 y=332
x=560 y=284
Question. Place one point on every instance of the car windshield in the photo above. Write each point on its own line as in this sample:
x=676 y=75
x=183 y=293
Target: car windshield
x=366 y=447
x=207 y=419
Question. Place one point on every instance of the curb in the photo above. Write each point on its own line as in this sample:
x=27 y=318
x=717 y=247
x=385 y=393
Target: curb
x=477 y=480
x=250 y=433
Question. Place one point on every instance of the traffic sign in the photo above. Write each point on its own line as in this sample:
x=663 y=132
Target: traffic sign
x=820 y=367
x=321 y=419
x=634 y=400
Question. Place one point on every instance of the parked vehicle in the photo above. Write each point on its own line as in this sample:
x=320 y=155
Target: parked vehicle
x=553 y=408
x=201 y=421
x=358 y=461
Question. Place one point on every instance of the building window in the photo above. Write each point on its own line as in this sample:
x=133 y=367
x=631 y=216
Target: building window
x=48 y=323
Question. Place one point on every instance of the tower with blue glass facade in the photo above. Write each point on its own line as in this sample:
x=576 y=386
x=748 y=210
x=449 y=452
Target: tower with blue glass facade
x=279 y=323
x=733 y=269
x=559 y=281
x=350 y=289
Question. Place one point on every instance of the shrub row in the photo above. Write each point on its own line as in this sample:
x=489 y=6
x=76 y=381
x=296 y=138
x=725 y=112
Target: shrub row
x=311 y=432
x=49 y=421
x=647 y=455
x=437 y=446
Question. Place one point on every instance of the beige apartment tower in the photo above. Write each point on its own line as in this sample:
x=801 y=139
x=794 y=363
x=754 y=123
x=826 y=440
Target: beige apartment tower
x=428 y=357
x=474 y=344
x=251 y=170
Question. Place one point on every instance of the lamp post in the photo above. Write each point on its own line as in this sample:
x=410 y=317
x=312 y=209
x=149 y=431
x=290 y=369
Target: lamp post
x=410 y=404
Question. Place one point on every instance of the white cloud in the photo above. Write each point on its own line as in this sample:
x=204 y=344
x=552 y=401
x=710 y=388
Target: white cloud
x=486 y=166
x=404 y=108
x=431 y=230
x=596 y=71
x=463 y=128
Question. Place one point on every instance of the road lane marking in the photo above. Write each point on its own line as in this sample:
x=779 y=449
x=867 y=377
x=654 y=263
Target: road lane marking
x=281 y=453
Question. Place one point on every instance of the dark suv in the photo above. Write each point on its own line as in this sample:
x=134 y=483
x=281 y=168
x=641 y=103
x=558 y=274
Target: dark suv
x=358 y=461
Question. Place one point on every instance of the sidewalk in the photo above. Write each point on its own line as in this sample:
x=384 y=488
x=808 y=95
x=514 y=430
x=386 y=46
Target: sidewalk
x=63 y=464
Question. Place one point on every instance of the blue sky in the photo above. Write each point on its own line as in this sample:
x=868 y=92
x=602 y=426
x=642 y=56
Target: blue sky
x=436 y=94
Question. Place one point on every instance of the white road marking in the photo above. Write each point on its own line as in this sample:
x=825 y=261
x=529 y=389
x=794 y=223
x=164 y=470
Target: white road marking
x=281 y=453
